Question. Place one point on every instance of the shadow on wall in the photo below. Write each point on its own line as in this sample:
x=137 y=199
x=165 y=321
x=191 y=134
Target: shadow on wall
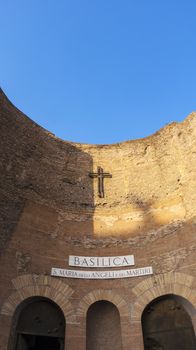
x=50 y=177
x=42 y=172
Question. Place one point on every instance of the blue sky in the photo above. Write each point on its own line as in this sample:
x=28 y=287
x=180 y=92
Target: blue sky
x=99 y=71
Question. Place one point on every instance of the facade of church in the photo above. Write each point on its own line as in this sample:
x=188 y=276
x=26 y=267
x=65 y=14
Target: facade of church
x=97 y=242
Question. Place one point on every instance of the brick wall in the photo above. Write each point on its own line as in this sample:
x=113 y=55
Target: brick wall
x=50 y=209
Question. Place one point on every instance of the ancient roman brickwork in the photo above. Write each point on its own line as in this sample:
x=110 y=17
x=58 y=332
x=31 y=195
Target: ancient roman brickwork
x=50 y=209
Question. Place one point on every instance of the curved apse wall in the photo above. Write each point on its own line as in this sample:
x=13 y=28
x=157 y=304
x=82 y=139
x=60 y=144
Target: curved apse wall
x=50 y=208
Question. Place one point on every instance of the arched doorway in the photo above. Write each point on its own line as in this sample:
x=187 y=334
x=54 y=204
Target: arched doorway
x=39 y=325
x=167 y=325
x=103 y=329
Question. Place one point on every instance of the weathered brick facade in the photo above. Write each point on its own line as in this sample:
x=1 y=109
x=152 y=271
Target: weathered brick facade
x=49 y=209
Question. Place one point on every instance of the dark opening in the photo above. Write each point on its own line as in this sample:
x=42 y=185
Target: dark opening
x=103 y=327
x=40 y=325
x=33 y=342
x=167 y=325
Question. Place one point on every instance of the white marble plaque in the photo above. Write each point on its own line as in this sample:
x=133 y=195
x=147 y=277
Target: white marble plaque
x=107 y=274
x=104 y=261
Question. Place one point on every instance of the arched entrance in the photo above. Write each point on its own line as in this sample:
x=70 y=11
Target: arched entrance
x=167 y=325
x=103 y=329
x=39 y=325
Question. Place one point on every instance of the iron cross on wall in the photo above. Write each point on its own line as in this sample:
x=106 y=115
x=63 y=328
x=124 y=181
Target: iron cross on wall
x=100 y=175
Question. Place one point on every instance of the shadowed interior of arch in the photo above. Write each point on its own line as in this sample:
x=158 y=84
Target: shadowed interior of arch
x=103 y=327
x=167 y=324
x=39 y=325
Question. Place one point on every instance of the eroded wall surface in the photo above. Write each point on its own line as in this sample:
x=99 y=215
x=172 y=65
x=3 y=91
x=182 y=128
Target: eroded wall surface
x=50 y=209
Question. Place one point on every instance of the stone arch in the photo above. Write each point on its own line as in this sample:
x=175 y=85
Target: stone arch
x=103 y=326
x=175 y=283
x=32 y=285
x=37 y=322
x=167 y=323
x=103 y=294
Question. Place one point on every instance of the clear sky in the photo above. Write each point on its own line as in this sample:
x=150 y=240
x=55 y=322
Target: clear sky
x=99 y=71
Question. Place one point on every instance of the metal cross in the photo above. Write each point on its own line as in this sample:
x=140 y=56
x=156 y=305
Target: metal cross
x=100 y=175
